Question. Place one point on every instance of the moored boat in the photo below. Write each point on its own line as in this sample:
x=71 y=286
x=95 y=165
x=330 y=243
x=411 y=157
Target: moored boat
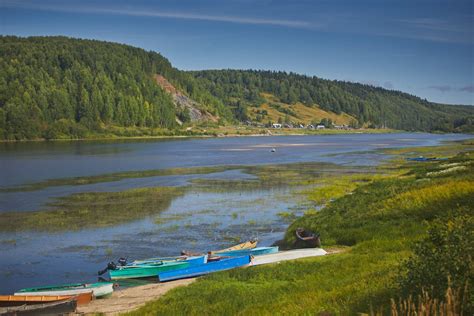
x=145 y=271
x=288 y=255
x=249 y=252
x=99 y=289
x=245 y=245
x=306 y=239
x=52 y=308
x=210 y=267
x=193 y=260
x=16 y=300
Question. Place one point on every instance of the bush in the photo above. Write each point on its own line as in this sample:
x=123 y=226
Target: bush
x=445 y=254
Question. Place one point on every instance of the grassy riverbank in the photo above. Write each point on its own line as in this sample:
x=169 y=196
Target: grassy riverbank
x=379 y=222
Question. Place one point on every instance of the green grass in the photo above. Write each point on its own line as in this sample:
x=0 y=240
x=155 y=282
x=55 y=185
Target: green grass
x=90 y=210
x=378 y=223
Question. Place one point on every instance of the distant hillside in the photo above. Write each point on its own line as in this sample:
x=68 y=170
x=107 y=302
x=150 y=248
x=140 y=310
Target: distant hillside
x=273 y=110
x=54 y=87
x=370 y=106
x=58 y=87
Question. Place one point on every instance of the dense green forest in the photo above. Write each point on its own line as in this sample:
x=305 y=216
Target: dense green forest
x=372 y=106
x=52 y=86
x=58 y=87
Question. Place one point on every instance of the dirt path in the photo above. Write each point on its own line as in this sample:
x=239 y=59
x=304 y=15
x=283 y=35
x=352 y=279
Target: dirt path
x=131 y=298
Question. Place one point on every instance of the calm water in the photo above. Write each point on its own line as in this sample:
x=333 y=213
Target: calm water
x=199 y=220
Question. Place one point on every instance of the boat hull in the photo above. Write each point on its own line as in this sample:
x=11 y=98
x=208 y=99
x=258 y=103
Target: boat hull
x=54 y=308
x=99 y=289
x=196 y=260
x=210 y=267
x=246 y=245
x=16 y=300
x=250 y=252
x=288 y=255
x=144 y=271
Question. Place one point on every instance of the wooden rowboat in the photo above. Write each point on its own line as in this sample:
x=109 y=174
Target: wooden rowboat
x=99 y=289
x=210 y=267
x=306 y=239
x=246 y=245
x=17 y=300
x=145 y=271
x=52 y=308
x=249 y=252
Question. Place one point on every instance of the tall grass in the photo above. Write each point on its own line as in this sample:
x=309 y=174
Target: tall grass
x=426 y=305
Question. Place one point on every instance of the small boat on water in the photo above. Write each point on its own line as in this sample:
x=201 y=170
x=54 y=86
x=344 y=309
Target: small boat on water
x=249 y=252
x=145 y=271
x=424 y=159
x=52 y=308
x=307 y=239
x=210 y=267
x=99 y=289
x=17 y=300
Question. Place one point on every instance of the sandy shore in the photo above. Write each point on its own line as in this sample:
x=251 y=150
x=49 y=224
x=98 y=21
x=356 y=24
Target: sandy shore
x=130 y=298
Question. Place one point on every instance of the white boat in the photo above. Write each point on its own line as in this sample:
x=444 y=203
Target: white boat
x=287 y=255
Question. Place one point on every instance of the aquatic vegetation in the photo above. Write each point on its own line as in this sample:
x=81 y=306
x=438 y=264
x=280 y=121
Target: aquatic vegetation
x=12 y=242
x=172 y=228
x=90 y=210
x=287 y=216
x=109 y=251
x=165 y=219
x=117 y=176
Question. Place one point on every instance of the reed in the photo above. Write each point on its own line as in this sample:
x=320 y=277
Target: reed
x=427 y=305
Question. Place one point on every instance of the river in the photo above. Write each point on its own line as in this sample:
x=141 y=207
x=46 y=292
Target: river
x=200 y=219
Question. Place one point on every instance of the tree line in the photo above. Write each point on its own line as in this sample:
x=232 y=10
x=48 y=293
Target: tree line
x=372 y=106
x=54 y=87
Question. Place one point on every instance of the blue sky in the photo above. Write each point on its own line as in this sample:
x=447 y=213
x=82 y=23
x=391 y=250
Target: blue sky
x=424 y=47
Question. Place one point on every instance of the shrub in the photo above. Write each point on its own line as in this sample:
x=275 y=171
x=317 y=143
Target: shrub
x=445 y=254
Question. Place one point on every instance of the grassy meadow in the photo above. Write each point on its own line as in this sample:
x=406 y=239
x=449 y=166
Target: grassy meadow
x=415 y=220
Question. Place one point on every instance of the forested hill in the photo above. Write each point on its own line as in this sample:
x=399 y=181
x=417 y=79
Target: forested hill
x=372 y=106
x=58 y=87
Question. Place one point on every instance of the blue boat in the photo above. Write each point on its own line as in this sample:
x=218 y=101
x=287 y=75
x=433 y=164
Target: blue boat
x=424 y=159
x=210 y=267
x=249 y=252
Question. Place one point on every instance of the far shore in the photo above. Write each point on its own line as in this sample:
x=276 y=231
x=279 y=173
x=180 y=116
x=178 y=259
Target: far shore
x=218 y=133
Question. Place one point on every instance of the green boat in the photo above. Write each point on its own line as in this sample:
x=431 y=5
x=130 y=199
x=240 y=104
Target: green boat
x=145 y=271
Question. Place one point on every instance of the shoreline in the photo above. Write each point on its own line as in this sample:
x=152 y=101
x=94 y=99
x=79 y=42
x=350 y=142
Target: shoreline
x=215 y=135
x=131 y=298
